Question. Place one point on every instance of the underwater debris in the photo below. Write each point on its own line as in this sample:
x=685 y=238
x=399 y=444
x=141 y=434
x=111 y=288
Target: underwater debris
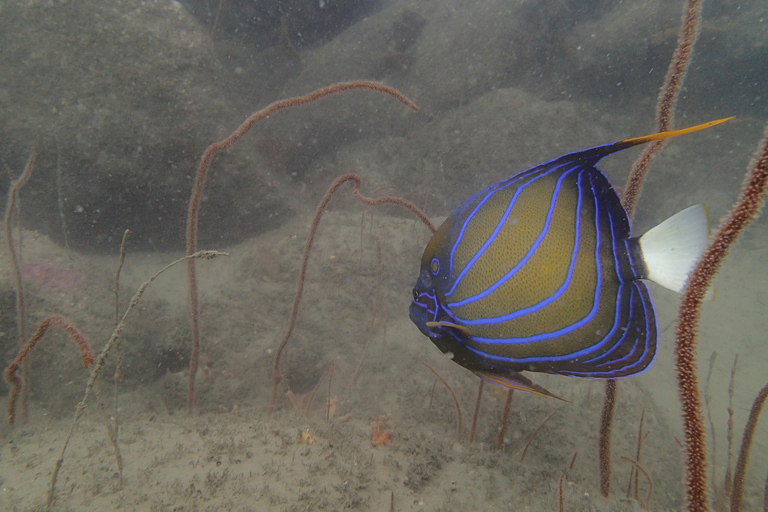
x=381 y=434
x=307 y=437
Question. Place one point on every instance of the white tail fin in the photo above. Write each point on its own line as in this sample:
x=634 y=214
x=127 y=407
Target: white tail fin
x=670 y=250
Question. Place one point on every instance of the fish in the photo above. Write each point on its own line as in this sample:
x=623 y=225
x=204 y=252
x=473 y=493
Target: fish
x=540 y=273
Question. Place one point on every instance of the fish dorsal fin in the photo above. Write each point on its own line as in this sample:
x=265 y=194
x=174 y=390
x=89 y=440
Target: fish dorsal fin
x=628 y=143
x=671 y=249
x=599 y=152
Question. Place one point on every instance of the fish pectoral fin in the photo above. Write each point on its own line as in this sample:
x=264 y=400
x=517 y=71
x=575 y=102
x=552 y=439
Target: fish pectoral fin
x=515 y=380
x=448 y=325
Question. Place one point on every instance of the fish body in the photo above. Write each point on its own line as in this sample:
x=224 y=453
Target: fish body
x=540 y=273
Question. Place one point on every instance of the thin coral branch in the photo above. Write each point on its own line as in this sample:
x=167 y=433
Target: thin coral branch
x=338 y=182
x=690 y=28
x=477 y=411
x=453 y=395
x=21 y=308
x=699 y=280
x=708 y=407
x=746 y=443
x=665 y=106
x=765 y=495
x=330 y=407
x=327 y=373
x=100 y=361
x=216 y=20
x=10 y=373
x=374 y=307
x=535 y=433
x=504 y=420
x=637 y=466
x=728 y=483
x=120 y=262
x=633 y=476
x=573 y=460
x=202 y=173
x=113 y=421
x=606 y=425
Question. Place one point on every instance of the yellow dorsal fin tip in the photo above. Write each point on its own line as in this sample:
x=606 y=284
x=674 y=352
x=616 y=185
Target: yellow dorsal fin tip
x=674 y=133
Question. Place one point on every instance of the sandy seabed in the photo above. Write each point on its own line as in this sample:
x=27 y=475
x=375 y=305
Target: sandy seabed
x=231 y=455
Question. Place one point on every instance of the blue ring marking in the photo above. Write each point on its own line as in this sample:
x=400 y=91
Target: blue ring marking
x=645 y=344
x=558 y=293
x=499 y=225
x=534 y=247
x=460 y=236
x=600 y=345
x=621 y=339
x=560 y=332
x=434 y=272
x=647 y=338
x=434 y=313
x=633 y=352
x=613 y=373
x=511 y=204
x=489 y=191
x=588 y=158
x=631 y=261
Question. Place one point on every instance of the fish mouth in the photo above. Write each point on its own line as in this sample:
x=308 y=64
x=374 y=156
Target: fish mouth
x=419 y=316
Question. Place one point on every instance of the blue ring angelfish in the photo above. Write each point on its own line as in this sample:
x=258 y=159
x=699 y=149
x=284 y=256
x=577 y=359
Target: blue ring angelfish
x=540 y=273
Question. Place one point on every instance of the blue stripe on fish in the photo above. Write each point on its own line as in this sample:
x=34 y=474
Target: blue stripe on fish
x=492 y=239
x=490 y=192
x=538 y=272
x=596 y=293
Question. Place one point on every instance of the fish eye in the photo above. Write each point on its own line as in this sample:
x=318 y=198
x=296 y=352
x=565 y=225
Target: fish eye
x=415 y=294
x=434 y=266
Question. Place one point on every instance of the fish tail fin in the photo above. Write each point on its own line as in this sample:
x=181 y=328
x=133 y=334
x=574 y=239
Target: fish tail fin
x=635 y=141
x=671 y=249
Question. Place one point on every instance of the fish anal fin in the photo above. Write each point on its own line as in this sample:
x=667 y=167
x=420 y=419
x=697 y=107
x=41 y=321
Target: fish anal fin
x=515 y=380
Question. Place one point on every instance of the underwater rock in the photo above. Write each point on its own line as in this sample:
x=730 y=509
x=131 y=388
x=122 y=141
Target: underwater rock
x=493 y=137
x=120 y=100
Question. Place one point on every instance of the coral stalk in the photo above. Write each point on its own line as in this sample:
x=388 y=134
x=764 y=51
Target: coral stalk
x=202 y=173
x=21 y=308
x=101 y=360
x=728 y=483
x=338 y=182
x=606 y=424
x=453 y=395
x=737 y=494
x=10 y=373
x=639 y=468
x=690 y=28
x=535 y=433
x=633 y=476
x=504 y=420
x=665 y=105
x=742 y=213
x=477 y=411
